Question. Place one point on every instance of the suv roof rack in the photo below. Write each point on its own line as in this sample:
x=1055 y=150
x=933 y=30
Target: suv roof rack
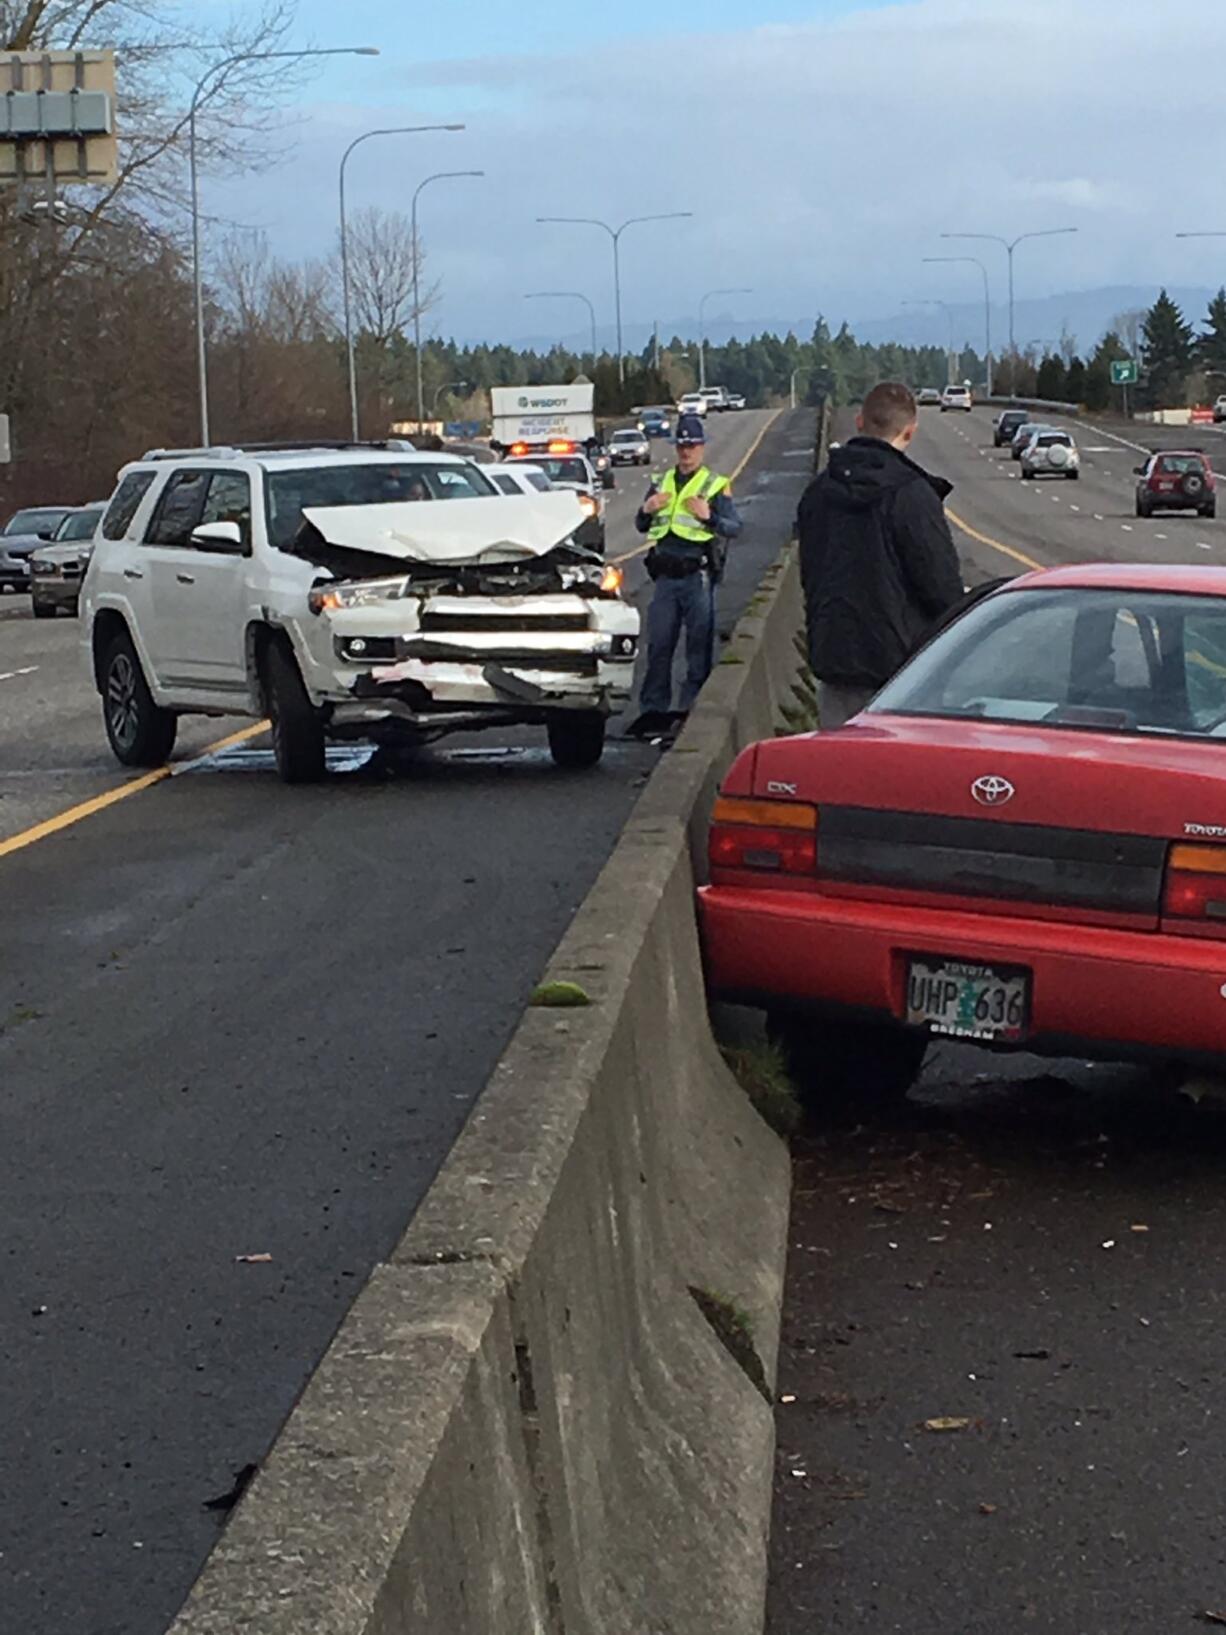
x=226 y=451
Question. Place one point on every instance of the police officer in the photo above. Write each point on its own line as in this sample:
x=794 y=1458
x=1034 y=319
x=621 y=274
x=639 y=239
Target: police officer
x=688 y=517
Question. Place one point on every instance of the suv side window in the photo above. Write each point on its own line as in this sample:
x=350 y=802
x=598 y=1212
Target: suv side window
x=229 y=500
x=178 y=510
x=125 y=503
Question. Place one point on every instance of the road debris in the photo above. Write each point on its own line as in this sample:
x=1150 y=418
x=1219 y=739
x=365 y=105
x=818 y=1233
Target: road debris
x=252 y=1260
x=1208 y=1617
x=944 y=1423
x=987 y=1509
x=1040 y=1354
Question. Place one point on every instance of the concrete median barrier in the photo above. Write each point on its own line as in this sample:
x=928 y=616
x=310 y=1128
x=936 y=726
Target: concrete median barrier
x=548 y=1411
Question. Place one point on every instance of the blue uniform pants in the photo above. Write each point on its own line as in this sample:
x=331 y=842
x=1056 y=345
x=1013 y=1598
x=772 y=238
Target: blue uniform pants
x=674 y=603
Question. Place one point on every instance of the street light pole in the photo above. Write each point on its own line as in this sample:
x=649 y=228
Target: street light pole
x=568 y=295
x=973 y=261
x=202 y=378
x=1011 y=245
x=949 y=313
x=615 y=233
x=350 y=347
x=702 y=349
x=439 y=176
x=447 y=386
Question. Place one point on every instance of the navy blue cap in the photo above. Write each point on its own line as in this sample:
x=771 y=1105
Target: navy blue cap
x=690 y=429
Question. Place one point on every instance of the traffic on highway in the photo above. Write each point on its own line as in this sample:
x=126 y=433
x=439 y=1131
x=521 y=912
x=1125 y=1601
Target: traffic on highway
x=613 y=948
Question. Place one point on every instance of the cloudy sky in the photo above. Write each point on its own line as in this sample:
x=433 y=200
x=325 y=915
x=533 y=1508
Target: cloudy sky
x=822 y=149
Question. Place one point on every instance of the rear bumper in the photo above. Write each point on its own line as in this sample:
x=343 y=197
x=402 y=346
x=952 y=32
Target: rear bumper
x=1105 y=992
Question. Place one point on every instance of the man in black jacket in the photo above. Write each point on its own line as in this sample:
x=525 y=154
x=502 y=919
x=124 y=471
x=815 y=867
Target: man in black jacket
x=877 y=559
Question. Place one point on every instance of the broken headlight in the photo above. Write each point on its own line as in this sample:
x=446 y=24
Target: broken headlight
x=356 y=593
x=592 y=579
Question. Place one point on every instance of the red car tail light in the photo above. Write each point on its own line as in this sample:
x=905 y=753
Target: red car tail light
x=771 y=836
x=1196 y=887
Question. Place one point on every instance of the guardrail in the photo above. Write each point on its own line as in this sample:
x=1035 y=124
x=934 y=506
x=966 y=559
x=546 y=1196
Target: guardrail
x=1047 y=403
x=530 y=1420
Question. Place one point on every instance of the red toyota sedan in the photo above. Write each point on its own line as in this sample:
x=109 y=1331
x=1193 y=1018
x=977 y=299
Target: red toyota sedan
x=1021 y=842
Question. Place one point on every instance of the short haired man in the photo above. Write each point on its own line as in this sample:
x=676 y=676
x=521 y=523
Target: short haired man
x=877 y=560
x=688 y=516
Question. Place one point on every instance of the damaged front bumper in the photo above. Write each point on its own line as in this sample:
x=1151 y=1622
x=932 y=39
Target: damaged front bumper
x=445 y=662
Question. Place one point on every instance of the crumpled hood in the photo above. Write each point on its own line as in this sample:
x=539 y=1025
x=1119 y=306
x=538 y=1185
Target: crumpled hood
x=507 y=529
x=865 y=470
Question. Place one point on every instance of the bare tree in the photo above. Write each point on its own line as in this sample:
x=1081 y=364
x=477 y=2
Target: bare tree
x=1127 y=325
x=382 y=262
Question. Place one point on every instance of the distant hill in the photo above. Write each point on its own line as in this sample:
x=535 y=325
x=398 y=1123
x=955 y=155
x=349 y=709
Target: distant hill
x=1086 y=314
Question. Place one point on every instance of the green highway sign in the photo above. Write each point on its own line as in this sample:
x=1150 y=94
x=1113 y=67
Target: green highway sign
x=1125 y=373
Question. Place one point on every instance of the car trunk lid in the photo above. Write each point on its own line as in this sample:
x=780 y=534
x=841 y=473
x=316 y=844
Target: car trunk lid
x=1057 y=824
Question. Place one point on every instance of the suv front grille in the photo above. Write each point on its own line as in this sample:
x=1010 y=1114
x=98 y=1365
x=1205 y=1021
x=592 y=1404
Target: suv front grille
x=475 y=623
x=977 y=857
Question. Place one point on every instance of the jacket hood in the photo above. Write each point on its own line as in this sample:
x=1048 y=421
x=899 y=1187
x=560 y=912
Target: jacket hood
x=864 y=470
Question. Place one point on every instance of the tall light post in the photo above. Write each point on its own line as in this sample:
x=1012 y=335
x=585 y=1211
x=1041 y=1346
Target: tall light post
x=801 y=369
x=447 y=386
x=615 y=233
x=202 y=377
x=568 y=295
x=702 y=347
x=1011 y=245
x=439 y=176
x=974 y=261
x=949 y=313
x=367 y=136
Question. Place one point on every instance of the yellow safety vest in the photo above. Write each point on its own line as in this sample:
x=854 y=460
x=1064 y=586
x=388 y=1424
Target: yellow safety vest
x=675 y=518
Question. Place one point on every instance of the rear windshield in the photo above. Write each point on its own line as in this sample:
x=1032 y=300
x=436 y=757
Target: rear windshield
x=1137 y=662
x=289 y=493
x=1012 y=418
x=37 y=520
x=1055 y=439
x=1181 y=463
x=564 y=471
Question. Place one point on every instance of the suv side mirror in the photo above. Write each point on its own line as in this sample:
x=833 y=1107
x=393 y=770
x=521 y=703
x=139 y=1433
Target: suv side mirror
x=219 y=538
x=1139 y=470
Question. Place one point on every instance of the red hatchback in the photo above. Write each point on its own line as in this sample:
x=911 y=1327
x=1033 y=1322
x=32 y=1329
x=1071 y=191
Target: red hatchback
x=1021 y=842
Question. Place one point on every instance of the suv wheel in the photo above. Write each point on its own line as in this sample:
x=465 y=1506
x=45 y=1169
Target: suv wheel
x=1193 y=486
x=44 y=610
x=297 y=736
x=834 y=1063
x=1142 y=508
x=139 y=731
x=576 y=738
x=1209 y=510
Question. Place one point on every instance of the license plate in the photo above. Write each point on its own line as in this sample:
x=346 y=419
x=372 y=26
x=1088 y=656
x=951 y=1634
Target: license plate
x=966 y=1001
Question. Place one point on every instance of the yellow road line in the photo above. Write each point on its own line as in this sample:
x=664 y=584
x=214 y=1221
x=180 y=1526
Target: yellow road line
x=99 y=803
x=993 y=544
x=753 y=448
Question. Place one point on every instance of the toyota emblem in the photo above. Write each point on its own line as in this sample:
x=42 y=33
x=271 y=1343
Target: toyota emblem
x=992 y=791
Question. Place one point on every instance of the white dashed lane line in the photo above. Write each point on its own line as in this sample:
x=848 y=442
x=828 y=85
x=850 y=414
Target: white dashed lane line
x=1126 y=526
x=11 y=675
x=1202 y=546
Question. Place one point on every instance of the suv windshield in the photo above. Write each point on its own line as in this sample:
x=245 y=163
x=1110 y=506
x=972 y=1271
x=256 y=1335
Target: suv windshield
x=289 y=493
x=80 y=525
x=37 y=520
x=1103 y=660
x=626 y=437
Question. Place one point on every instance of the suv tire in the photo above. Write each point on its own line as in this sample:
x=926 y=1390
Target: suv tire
x=1142 y=508
x=44 y=610
x=139 y=731
x=297 y=736
x=847 y=1063
x=576 y=738
x=1209 y=510
x=1193 y=486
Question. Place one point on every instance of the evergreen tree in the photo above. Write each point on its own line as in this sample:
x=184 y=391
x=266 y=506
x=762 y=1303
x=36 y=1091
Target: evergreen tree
x=1075 y=382
x=1110 y=349
x=1167 y=351
x=1211 y=347
x=1052 y=382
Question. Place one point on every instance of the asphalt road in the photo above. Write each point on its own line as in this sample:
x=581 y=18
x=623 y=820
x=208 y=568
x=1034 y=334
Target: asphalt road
x=1031 y=1251
x=239 y=1019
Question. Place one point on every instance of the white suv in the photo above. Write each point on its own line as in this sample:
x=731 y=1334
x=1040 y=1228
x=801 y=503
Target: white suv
x=306 y=584
x=956 y=397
